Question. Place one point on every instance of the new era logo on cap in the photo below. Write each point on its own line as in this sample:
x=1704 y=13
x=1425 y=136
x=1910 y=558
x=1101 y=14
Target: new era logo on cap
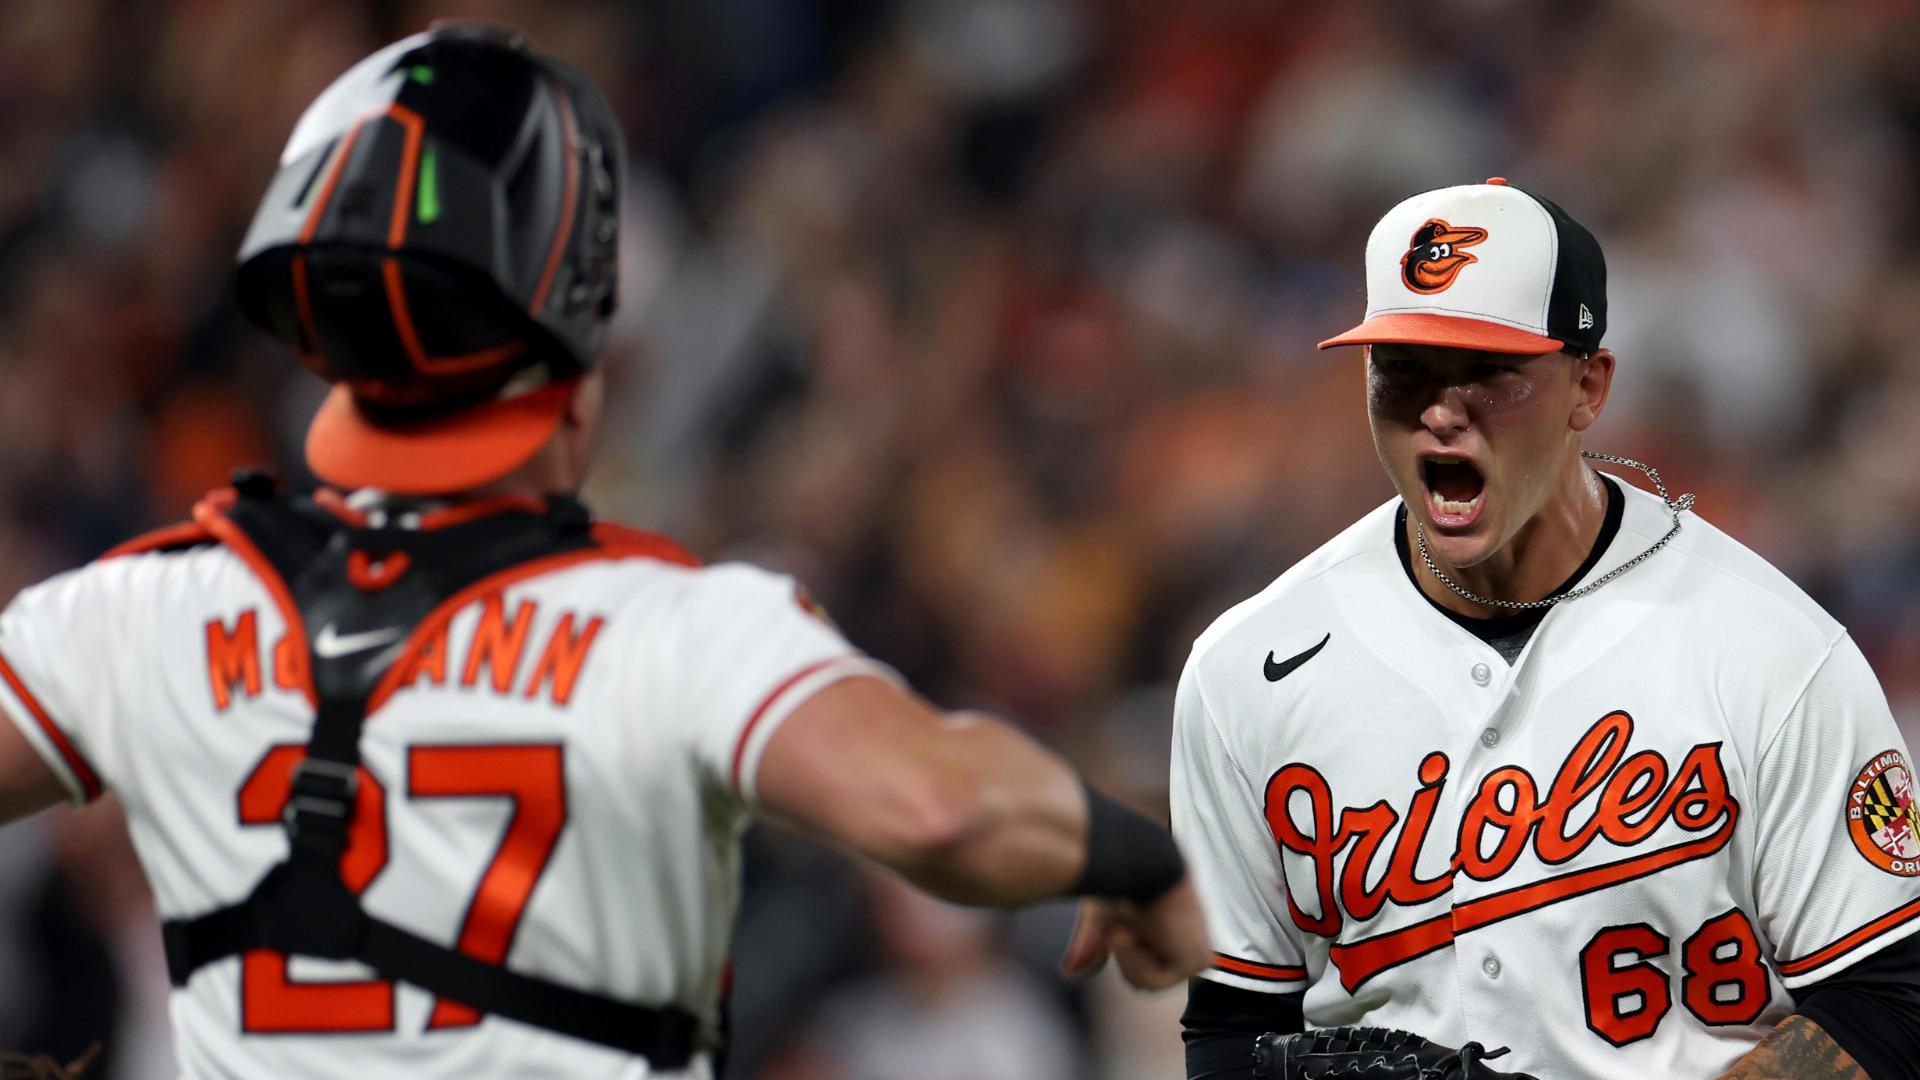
x=1482 y=266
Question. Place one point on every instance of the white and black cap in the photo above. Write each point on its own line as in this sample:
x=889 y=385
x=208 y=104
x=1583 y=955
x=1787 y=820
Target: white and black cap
x=1482 y=266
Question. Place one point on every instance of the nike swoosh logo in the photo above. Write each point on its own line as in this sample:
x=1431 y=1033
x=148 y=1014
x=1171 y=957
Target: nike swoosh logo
x=331 y=644
x=1281 y=669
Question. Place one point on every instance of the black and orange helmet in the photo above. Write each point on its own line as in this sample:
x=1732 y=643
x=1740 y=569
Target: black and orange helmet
x=441 y=236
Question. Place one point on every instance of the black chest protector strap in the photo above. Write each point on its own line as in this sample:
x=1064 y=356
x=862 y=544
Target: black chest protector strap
x=357 y=622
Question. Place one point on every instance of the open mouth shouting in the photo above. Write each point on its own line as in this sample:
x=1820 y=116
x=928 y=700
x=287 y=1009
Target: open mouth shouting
x=1455 y=490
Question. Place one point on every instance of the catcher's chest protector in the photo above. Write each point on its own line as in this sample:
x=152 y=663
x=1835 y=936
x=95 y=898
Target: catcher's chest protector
x=356 y=595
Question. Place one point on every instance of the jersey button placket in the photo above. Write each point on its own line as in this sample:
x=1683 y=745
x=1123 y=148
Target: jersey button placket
x=1482 y=675
x=1495 y=712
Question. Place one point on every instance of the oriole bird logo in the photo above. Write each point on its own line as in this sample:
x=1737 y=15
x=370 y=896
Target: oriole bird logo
x=1434 y=256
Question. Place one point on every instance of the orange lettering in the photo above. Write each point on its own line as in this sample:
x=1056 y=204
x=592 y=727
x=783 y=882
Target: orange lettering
x=233 y=658
x=430 y=661
x=1404 y=883
x=1637 y=784
x=1631 y=800
x=1369 y=827
x=497 y=645
x=1598 y=754
x=1319 y=846
x=1699 y=807
x=289 y=663
x=1365 y=829
x=1486 y=812
x=565 y=655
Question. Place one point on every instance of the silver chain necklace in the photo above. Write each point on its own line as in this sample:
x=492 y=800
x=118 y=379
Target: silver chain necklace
x=1674 y=507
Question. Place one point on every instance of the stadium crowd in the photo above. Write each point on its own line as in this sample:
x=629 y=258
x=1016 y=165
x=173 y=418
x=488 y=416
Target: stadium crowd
x=994 y=322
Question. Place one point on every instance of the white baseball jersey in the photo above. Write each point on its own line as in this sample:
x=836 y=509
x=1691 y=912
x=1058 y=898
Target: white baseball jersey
x=560 y=783
x=1613 y=856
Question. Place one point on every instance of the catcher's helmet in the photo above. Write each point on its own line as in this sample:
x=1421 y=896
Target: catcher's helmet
x=440 y=241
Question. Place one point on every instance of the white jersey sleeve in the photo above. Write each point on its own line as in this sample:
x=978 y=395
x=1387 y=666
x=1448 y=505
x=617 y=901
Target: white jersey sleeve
x=1217 y=820
x=1838 y=875
x=754 y=649
x=58 y=648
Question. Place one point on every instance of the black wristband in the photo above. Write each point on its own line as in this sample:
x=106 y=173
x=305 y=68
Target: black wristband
x=1128 y=856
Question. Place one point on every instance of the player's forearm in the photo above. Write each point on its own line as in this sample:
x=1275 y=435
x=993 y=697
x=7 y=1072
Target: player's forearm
x=1797 y=1050
x=1014 y=823
x=964 y=806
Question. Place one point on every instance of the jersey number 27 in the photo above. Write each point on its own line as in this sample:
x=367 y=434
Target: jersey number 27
x=532 y=776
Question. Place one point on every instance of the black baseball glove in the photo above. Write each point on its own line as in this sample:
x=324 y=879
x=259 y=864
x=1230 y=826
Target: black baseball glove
x=1369 y=1053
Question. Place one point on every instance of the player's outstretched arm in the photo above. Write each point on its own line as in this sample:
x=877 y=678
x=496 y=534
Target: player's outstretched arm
x=973 y=811
x=27 y=785
x=1797 y=1050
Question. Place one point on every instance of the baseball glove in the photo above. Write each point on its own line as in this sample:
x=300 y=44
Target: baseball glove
x=1369 y=1053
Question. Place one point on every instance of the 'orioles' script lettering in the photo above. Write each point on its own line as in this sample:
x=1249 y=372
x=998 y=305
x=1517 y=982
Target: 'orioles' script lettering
x=493 y=656
x=1631 y=800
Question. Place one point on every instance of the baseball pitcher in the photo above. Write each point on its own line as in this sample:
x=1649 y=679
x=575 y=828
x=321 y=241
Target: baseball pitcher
x=1532 y=763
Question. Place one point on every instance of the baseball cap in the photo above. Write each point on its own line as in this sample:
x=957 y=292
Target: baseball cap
x=353 y=444
x=1482 y=266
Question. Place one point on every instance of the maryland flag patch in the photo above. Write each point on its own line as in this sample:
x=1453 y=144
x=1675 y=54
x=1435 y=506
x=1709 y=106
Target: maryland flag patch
x=1881 y=816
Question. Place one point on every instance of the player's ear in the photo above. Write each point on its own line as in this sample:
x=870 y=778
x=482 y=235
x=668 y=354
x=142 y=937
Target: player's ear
x=586 y=401
x=579 y=430
x=1593 y=379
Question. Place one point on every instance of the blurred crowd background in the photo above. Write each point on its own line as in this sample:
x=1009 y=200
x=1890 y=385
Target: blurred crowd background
x=994 y=321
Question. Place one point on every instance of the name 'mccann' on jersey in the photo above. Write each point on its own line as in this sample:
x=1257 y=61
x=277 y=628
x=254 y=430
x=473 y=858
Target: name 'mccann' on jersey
x=1615 y=855
x=555 y=782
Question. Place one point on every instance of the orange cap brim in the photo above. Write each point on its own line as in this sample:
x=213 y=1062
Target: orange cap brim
x=464 y=450
x=1450 y=331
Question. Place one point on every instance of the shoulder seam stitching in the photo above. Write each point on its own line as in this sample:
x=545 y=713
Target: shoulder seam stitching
x=1780 y=725
x=1783 y=601
x=1315 y=576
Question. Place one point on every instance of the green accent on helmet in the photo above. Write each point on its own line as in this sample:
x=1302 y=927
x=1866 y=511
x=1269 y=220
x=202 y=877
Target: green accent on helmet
x=427 y=191
x=313 y=178
x=421 y=74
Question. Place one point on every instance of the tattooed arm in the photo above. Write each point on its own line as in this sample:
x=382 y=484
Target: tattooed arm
x=1797 y=1050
